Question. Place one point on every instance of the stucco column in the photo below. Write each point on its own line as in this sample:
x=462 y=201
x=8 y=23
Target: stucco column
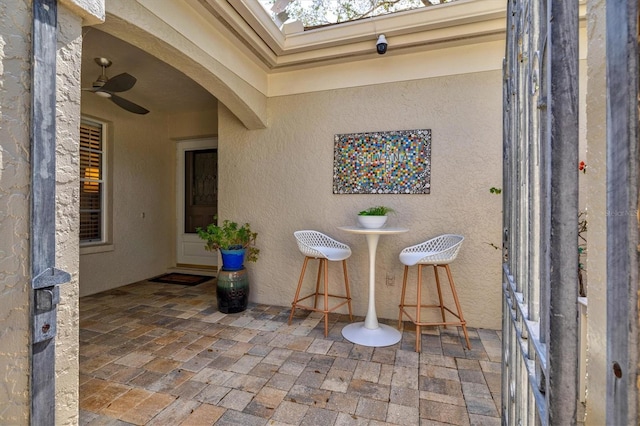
x=15 y=27
x=595 y=180
x=68 y=65
x=15 y=292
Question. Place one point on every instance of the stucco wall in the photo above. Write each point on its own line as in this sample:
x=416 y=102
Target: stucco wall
x=193 y=124
x=15 y=18
x=595 y=182
x=142 y=159
x=280 y=180
x=15 y=42
x=140 y=175
x=67 y=216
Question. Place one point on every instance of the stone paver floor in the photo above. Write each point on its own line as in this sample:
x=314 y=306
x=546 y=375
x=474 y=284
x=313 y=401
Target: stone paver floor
x=162 y=354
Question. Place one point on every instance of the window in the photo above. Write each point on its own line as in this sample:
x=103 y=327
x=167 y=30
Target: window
x=92 y=182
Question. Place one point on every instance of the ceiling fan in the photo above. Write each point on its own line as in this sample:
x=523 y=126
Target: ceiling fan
x=108 y=87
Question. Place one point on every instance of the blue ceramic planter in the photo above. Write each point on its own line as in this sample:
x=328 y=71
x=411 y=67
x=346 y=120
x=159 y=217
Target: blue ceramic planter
x=232 y=260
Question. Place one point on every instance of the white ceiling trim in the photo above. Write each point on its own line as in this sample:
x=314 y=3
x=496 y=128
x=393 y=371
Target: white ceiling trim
x=471 y=58
x=226 y=16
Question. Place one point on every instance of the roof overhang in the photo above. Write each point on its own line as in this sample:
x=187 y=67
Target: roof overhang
x=450 y=24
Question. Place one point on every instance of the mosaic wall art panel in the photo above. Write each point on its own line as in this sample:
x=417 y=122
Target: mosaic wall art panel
x=394 y=162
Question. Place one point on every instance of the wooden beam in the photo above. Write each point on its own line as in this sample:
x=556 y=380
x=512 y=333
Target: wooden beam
x=562 y=291
x=622 y=208
x=44 y=277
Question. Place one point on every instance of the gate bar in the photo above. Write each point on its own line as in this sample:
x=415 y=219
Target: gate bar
x=622 y=210
x=45 y=278
x=562 y=291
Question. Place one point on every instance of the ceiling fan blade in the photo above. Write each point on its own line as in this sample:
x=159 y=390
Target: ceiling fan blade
x=119 y=83
x=128 y=105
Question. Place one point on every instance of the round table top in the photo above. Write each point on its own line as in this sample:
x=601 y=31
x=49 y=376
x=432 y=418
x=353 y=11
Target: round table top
x=384 y=230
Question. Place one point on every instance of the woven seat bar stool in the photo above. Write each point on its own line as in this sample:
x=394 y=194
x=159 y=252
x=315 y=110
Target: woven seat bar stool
x=316 y=245
x=438 y=252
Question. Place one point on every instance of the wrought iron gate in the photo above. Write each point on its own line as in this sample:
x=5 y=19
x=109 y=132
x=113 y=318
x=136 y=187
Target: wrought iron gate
x=622 y=212
x=540 y=273
x=46 y=279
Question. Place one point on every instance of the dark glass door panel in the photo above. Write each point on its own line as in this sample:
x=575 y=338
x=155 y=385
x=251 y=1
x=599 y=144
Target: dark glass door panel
x=201 y=188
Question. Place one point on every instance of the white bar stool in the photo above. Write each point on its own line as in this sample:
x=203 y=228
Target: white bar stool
x=316 y=245
x=438 y=252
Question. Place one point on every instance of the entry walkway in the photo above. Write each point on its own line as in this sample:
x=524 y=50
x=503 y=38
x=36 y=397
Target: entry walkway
x=161 y=354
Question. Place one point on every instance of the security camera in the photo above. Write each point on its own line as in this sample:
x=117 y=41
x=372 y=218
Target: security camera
x=381 y=45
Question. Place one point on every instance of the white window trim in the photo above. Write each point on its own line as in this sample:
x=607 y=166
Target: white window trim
x=104 y=244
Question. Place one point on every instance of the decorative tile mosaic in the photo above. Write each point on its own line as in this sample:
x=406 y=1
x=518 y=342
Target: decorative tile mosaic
x=393 y=162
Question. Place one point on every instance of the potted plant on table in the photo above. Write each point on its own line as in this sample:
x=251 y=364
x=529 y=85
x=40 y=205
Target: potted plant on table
x=236 y=244
x=374 y=217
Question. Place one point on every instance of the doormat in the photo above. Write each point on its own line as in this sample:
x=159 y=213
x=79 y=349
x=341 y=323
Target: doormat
x=182 y=279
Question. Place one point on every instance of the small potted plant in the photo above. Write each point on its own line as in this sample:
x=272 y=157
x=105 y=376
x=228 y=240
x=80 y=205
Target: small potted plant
x=374 y=217
x=233 y=241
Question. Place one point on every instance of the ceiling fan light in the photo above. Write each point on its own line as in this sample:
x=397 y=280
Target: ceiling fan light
x=103 y=94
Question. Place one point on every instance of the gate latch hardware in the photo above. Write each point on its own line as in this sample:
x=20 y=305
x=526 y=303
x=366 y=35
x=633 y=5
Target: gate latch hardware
x=46 y=295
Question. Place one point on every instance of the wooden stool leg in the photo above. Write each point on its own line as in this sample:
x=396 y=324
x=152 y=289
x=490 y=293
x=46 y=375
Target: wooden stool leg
x=315 y=299
x=295 y=298
x=404 y=288
x=457 y=302
x=418 y=302
x=326 y=297
x=346 y=283
x=435 y=270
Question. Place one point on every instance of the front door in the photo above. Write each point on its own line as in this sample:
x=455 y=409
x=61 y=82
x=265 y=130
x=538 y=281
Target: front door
x=197 y=199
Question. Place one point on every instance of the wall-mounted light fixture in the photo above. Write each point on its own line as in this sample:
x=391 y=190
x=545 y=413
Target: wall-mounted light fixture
x=381 y=45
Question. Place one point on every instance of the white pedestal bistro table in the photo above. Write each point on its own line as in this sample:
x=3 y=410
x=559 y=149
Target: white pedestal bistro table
x=370 y=332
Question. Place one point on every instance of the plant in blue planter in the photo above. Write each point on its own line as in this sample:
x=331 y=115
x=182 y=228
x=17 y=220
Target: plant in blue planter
x=236 y=243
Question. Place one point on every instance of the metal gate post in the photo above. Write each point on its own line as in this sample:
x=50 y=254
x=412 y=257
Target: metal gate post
x=540 y=315
x=562 y=293
x=622 y=211
x=45 y=277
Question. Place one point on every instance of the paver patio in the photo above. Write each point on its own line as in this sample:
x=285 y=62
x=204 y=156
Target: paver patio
x=162 y=354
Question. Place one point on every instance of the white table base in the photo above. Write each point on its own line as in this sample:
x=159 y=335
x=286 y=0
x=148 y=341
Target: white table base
x=370 y=332
x=383 y=335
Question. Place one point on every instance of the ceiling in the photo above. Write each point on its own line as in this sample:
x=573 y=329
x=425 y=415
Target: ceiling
x=160 y=87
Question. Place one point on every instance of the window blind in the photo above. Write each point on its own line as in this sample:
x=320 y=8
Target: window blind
x=91 y=182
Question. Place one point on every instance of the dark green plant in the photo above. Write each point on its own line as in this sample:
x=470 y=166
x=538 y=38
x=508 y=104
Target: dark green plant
x=376 y=211
x=495 y=190
x=230 y=236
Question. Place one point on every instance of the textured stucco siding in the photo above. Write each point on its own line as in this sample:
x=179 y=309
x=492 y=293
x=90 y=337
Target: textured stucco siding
x=596 y=198
x=90 y=11
x=280 y=180
x=68 y=66
x=141 y=174
x=15 y=45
